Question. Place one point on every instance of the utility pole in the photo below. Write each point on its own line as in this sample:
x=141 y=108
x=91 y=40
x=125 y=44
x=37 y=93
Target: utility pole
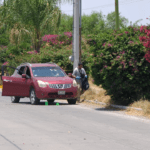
x=80 y=38
x=76 y=33
x=117 y=14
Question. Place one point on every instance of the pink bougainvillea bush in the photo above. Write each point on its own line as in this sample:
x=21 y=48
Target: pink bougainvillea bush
x=145 y=40
x=121 y=63
x=58 y=40
x=5 y=63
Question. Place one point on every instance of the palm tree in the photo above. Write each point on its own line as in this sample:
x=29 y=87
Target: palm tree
x=31 y=17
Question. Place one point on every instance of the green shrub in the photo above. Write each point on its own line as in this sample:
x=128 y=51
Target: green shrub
x=50 y=54
x=3 y=54
x=66 y=24
x=13 y=50
x=24 y=46
x=18 y=50
x=118 y=64
x=4 y=39
x=58 y=56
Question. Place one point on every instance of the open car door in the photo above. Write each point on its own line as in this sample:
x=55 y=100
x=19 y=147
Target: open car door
x=9 y=84
x=8 y=88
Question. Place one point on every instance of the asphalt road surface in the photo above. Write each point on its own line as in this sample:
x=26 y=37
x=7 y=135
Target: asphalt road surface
x=69 y=127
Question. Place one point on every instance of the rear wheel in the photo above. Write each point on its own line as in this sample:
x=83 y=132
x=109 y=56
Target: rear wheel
x=50 y=100
x=71 y=101
x=33 y=99
x=15 y=99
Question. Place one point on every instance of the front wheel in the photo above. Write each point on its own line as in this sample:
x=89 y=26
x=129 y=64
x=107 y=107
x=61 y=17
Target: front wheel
x=33 y=99
x=15 y=99
x=71 y=101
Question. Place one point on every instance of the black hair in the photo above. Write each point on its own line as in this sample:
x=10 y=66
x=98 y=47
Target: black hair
x=80 y=64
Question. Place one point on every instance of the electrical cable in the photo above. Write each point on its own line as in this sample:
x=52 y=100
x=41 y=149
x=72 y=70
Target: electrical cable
x=103 y=6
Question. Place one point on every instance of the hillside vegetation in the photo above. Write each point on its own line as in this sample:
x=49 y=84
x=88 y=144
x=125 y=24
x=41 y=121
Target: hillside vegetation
x=116 y=60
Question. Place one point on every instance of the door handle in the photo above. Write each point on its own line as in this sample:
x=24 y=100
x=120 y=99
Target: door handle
x=7 y=80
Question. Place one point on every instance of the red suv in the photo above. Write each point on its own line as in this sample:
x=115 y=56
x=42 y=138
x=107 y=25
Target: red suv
x=39 y=81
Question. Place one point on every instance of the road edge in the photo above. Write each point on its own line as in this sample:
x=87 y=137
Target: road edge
x=112 y=105
x=96 y=102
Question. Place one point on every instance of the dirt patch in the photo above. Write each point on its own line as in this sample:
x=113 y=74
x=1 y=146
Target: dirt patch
x=134 y=112
x=96 y=93
x=92 y=104
x=144 y=105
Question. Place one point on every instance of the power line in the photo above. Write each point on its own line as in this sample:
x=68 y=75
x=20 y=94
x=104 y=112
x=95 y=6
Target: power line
x=120 y=3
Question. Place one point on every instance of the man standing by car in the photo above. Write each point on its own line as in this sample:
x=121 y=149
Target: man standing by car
x=79 y=72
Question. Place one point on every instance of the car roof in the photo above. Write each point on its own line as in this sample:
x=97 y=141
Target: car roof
x=43 y=65
x=40 y=64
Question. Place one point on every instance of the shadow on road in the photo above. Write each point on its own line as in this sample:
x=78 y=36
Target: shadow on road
x=108 y=108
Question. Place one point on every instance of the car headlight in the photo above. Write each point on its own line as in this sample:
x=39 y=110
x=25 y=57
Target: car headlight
x=74 y=83
x=42 y=84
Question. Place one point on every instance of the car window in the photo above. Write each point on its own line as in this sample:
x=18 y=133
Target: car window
x=15 y=72
x=21 y=70
x=47 y=72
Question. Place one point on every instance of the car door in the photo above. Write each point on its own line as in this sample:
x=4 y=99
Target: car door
x=12 y=86
x=20 y=82
x=8 y=86
x=26 y=82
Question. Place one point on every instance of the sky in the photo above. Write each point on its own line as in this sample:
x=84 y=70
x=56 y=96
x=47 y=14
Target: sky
x=133 y=10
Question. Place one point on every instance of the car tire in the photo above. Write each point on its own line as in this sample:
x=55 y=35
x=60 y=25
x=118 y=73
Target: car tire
x=51 y=100
x=15 y=99
x=33 y=99
x=71 y=101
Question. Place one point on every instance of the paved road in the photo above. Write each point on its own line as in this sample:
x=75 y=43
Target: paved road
x=69 y=127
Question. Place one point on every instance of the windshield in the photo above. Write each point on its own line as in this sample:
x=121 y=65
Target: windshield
x=47 y=72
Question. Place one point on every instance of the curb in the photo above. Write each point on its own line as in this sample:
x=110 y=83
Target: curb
x=115 y=106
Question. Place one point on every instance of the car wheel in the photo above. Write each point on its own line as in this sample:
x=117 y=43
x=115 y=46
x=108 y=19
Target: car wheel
x=33 y=99
x=50 y=100
x=15 y=99
x=72 y=101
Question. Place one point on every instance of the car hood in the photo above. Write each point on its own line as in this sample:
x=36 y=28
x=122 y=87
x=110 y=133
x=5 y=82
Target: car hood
x=56 y=80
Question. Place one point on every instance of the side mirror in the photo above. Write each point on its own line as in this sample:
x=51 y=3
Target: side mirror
x=70 y=74
x=24 y=76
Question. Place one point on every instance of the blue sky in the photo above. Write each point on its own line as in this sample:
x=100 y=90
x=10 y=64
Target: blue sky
x=133 y=10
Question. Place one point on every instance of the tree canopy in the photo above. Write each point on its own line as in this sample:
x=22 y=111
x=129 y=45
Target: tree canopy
x=30 y=17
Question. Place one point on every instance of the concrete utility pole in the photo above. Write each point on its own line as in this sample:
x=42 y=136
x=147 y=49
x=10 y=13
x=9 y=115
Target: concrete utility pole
x=117 y=14
x=76 y=57
x=80 y=9
x=76 y=33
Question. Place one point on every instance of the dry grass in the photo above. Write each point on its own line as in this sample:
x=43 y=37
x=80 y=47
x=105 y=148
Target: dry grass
x=98 y=93
x=144 y=104
x=134 y=112
x=95 y=93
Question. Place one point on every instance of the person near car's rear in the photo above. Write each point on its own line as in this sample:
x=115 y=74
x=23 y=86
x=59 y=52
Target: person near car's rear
x=79 y=71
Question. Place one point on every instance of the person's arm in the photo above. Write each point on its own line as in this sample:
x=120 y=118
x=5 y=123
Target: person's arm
x=84 y=71
x=74 y=74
